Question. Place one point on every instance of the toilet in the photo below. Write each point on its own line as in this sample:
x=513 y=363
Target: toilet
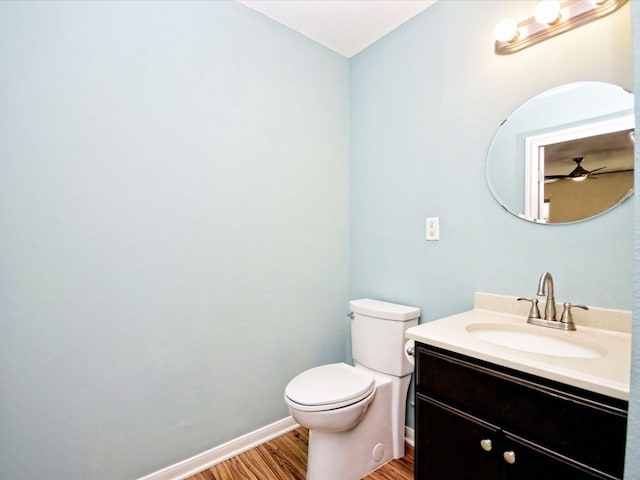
x=356 y=414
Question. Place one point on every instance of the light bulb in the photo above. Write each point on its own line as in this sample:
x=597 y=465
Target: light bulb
x=506 y=30
x=547 y=11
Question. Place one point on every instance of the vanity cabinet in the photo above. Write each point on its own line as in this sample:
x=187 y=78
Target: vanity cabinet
x=478 y=420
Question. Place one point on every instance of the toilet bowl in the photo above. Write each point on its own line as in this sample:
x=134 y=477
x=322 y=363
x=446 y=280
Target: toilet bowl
x=356 y=414
x=331 y=398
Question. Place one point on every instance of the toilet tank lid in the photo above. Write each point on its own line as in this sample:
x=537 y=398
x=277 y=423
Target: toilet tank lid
x=384 y=310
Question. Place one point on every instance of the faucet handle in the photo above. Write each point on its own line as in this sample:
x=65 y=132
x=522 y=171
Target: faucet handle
x=535 y=311
x=567 y=317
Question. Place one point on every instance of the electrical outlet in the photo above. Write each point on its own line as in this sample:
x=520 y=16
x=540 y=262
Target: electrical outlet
x=433 y=228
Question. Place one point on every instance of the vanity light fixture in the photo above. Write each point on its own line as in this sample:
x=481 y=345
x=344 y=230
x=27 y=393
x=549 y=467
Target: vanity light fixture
x=551 y=17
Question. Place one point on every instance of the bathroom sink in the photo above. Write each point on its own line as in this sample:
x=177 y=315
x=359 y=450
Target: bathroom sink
x=539 y=340
x=596 y=359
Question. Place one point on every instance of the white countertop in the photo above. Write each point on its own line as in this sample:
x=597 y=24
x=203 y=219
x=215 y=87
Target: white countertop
x=607 y=374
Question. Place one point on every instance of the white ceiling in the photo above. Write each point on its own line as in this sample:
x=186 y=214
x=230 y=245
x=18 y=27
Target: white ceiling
x=345 y=26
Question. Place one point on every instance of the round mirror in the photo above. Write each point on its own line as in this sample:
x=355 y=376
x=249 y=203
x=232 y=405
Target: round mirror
x=566 y=154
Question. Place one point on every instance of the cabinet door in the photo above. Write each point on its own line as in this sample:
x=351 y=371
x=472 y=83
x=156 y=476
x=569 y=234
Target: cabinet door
x=523 y=460
x=453 y=445
x=588 y=428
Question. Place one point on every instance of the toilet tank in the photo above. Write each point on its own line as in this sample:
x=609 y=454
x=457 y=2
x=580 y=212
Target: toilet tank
x=377 y=335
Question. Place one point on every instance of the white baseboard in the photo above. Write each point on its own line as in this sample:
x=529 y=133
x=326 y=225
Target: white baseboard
x=409 y=436
x=208 y=459
x=202 y=461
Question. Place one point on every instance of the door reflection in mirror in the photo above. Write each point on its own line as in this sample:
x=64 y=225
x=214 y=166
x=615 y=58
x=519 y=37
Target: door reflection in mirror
x=580 y=172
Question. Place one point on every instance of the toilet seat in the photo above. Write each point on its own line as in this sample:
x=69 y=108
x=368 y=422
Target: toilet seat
x=329 y=387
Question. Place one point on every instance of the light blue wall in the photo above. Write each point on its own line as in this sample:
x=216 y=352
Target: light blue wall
x=632 y=465
x=173 y=220
x=173 y=229
x=425 y=102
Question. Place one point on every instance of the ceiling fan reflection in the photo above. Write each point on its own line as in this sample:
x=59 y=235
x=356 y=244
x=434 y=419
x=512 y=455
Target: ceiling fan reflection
x=578 y=174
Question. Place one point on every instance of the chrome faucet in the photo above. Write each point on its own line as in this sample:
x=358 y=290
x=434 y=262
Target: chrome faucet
x=545 y=287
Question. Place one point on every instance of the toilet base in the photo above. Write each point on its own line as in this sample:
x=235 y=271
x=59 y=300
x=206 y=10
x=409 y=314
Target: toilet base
x=379 y=437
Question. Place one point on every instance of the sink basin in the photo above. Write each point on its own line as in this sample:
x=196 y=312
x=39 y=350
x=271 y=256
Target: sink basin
x=539 y=340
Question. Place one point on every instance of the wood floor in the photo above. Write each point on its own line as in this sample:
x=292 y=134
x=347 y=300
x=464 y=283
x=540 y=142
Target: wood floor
x=285 y=458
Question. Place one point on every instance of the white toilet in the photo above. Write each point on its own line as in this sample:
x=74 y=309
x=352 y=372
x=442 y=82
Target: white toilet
x=355 y=415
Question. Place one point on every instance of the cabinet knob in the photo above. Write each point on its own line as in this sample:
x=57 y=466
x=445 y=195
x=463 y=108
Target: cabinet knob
x=486 y=445
x=509 y=456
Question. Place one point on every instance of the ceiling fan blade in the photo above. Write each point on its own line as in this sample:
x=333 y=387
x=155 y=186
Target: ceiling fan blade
x=612 y=171
x=596 y=169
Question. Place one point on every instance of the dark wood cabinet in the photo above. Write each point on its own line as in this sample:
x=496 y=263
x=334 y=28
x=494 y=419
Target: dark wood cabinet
x=477 y=420
x=449 y=444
